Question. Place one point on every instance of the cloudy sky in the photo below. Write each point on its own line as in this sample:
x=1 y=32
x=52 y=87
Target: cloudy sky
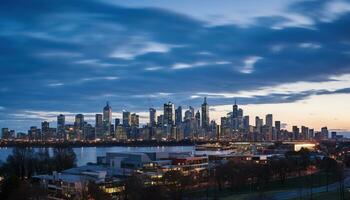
x=286 y=57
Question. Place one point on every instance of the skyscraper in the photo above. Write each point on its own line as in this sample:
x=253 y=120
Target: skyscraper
x=45 y=128
x=235 y=110
x=126 y=118
x=269 y=120
x=168 y=116
x=178 y=116
x=278 y=125
x=134 y=120
x=79 y=126
x=107 y=119
x=61 y=120
x=98 y=126
x=152 y=117
x=205 y=114
x=246 y=123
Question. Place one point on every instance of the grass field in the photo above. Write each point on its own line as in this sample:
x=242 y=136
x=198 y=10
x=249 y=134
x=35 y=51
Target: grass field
x=267 y=189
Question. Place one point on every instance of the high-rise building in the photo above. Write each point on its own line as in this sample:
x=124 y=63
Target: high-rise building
x=98 y=126
x=117 y=122
x=269 y=120
x=45 y=128
x=235 y=110
x=192 y=110
x=134 y=120
x=107 y=119
x=152 y=117
x=61 y=130
x=246 y=123
x=168 y=117
x=178 y=116
x=198 y=119
x=5 y=133
x=296 y=133
x=126 y=118
x=258 y=124
x=278 y=125
x=324 y=132
x=205 y=114
x=79 y=126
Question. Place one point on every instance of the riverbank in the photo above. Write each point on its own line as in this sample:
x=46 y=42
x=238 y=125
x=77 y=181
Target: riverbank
x=144 y=143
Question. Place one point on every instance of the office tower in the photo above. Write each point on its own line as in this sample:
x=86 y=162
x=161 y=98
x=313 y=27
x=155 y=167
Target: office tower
x=198 y=119
x=98 y=120
x=160 y=120
x=324 y=132
x=311 y=134
x=235 y=110
x=45 y=128
x=152 y=117
x=296 y=133
x=79 y=126
x=126 y=118
x=79 y=121
x=178 y=116
x=168 y=117
x=5 y=133
x=304 y=133
x=246 y=123
x=205 y=114
x=188 y=114
x=278 y=125
x=61 y=130
x=269 y=120
x=192 y=110
x=107 y=119
x=98 y=126
x=34 y=133
x=258 y=124
x=134 y=120
x=117 y=122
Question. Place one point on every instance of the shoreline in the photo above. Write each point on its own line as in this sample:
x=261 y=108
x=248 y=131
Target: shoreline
x=100 y=143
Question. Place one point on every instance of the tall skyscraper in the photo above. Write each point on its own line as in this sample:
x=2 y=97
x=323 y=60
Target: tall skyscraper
x=107 y=119
x=278 y=125
x=235 y=110
x=168 y=116
x=45 y=128
x=198 y=119
x=117 y=122
x=192 y=110
x=178 y=116
x=205 y=114
x=246 y=123
x=61 y=130
x=126 y=118
x=152 y=117
x=98 y=126
x=79 y=126
x=134 y=120
x=269 y=120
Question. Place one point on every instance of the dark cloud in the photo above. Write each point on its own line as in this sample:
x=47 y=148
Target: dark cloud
x=58 y=55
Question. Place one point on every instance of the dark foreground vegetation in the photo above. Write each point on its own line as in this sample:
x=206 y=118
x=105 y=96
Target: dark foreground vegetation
x=296 y=170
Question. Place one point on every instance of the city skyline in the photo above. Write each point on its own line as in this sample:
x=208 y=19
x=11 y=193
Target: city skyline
x=287 y=58
x=107 y=117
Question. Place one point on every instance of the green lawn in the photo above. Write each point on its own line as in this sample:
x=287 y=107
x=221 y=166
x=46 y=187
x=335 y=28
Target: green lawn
x=245 y=192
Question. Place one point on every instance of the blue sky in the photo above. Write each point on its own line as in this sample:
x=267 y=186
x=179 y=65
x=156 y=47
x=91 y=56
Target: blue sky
x=70 y=56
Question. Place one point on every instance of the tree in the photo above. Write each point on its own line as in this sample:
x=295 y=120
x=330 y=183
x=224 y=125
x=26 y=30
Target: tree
x=64 y=158
x=95 y=193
